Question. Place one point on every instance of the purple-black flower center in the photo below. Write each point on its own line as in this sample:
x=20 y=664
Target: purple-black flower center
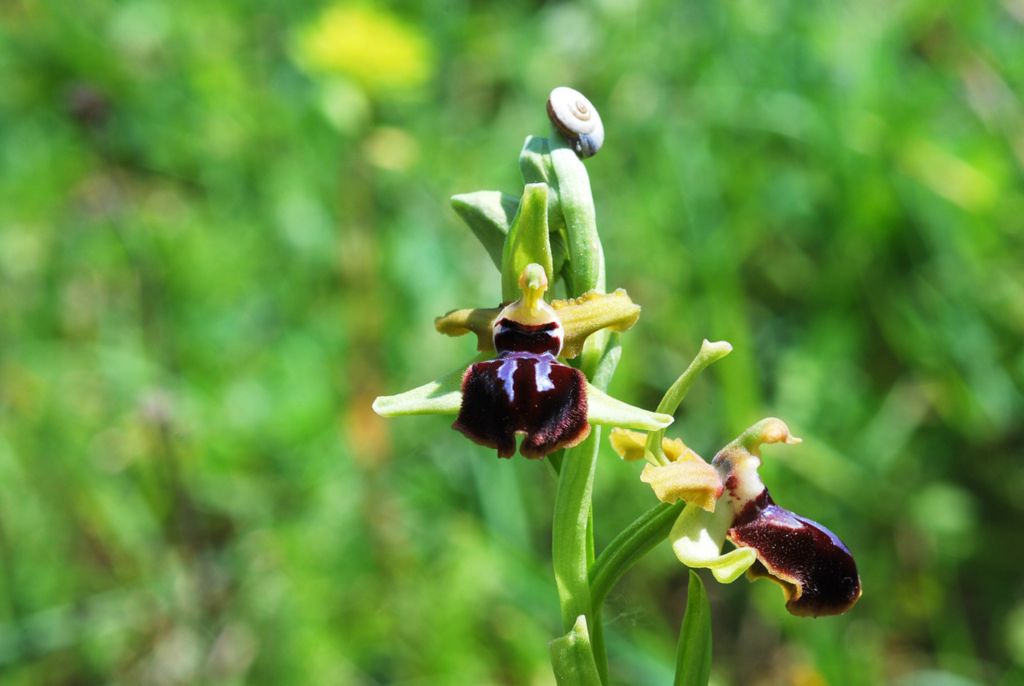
x=513 y=336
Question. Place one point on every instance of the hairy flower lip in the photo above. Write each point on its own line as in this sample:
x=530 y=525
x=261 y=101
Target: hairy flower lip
x=525 y=390
x=813 y=566
x=523 y=393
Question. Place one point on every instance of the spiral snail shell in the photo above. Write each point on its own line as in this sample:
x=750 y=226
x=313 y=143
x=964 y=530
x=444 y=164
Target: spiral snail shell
x=577 y=120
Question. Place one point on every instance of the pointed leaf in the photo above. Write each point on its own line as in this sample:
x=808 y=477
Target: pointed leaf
x=440 y=396
x=604 y=409
x=559 y=251
x=635 y=541
x=572 y=657
x=488 y=214
x=607 y=364
x=527 y=241
x=693 y=655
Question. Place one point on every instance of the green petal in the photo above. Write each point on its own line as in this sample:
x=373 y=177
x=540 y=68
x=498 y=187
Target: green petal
x=488 y=214
x=697 y=539
x=604 y=409
x=440 y=396
x=527 y=241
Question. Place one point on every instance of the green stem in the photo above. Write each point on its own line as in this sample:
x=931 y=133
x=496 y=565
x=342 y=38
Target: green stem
x=639 y=538
x=572 y=537
x=569 y=528
x=572 y=527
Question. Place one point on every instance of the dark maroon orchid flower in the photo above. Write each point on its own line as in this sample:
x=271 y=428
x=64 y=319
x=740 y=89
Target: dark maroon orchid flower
x=815 y=569
x=525 y=390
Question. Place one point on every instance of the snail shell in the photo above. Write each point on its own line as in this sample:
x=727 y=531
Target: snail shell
x=577 y=120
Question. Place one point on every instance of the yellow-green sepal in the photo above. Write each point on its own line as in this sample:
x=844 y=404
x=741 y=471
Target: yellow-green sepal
x=606 y=410
x=527 y=241
x=441 y=396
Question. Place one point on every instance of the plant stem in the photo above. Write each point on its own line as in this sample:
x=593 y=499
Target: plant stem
x=572 y=536
x=569 y=529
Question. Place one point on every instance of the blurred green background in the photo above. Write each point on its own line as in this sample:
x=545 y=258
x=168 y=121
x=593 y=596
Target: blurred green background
x=224 y=229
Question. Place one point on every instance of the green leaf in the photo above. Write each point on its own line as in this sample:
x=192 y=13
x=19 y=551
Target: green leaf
x=604 y=409
x=559 y=251
x=572 y=657
x=693 y=656
x=440 y=396
x=527 y=241
x=635 y=541
x=488 y=215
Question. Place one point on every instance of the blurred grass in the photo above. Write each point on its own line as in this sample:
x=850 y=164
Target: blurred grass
x=216 y=247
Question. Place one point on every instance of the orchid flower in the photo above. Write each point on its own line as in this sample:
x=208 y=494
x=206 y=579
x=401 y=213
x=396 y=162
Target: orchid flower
x=815 y=569
x=525 y=389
